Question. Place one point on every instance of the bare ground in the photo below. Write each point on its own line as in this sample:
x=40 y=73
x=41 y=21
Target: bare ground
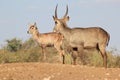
x=48 y=71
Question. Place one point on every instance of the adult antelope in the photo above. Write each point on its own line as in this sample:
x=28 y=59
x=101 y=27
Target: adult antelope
x=92 y=37
x=47 y=39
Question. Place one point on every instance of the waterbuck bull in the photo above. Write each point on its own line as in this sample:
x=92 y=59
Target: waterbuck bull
x=91 y=37
x=47 y=39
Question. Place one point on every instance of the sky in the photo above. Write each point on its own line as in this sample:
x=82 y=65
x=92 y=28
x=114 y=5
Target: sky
x=16 y=15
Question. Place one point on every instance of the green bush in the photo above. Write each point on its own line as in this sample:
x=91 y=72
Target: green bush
x=30 y=43
x=31 y=55
x=34 y=55
x=13 y=45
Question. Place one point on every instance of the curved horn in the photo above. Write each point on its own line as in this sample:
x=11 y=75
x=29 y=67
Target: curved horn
x=56 y=11
x=66 y=11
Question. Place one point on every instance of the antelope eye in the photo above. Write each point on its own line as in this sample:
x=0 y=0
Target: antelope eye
x=55 y=22
x=32 y=27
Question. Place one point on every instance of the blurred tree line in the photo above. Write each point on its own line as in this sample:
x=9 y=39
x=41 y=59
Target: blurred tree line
x=29 y=51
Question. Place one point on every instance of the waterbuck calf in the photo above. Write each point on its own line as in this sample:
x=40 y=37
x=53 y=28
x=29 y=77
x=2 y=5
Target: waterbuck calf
x=91 y=37
x=47 y=39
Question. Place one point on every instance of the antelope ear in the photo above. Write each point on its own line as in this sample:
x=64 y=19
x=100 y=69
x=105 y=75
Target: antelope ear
x=35 y=23
x=53 y=17
x=66 y=18
x=36 y=28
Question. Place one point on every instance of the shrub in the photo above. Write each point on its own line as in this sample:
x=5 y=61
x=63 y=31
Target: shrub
x=117 y=62
x=13 y=45
x=30 y=43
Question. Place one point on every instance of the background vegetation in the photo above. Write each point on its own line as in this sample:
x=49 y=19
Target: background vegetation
x=29 y=51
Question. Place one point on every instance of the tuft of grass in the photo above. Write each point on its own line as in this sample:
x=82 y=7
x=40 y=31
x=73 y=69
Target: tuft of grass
x=96 y=59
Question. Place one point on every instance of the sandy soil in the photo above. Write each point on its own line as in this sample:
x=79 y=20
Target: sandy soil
x=48 y=71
